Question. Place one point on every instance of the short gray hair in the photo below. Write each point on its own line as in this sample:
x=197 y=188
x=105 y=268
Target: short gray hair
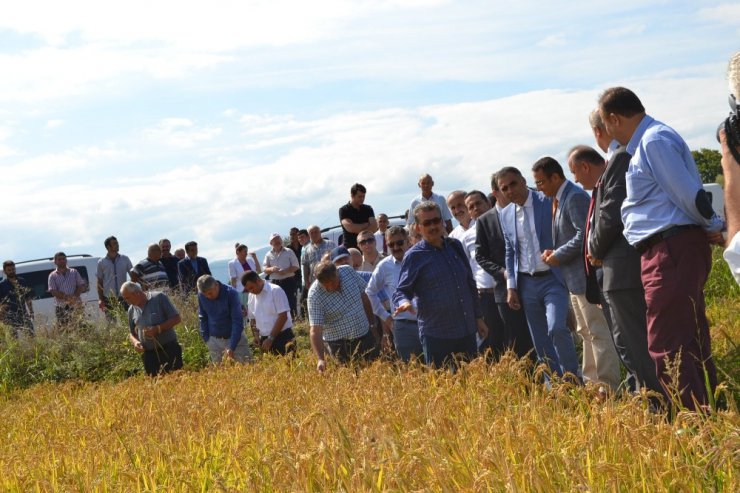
x=205 y=282
x=427 y=206
x=396 y=230
x=130 y=287
x=594 y=119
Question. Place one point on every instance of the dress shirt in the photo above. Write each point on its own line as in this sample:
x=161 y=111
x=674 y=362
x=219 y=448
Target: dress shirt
x=436 y=198
x=458 y=232
x=112 y=273
x=442 y=282
x=282 y=259
x=340 y=313
x=312 y=254
x=221 y=317
x=527 y=243
x=65 y=282
x=267 y=306
x=383 y=283
x=662 y=183
x=483 y=280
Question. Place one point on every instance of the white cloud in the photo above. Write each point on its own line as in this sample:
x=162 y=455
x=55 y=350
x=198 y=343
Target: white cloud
x=54 y=123
x=553 y=41
x=180 y=133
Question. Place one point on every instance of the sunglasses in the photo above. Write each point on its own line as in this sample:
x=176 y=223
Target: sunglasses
x=366 y=241
x=429 y=222
x=396 y=244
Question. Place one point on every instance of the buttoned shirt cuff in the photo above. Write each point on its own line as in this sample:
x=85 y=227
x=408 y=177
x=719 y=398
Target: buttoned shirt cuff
x=510 y=283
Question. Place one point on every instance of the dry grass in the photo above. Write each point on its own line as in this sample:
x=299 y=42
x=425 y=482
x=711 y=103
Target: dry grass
x=277 y=426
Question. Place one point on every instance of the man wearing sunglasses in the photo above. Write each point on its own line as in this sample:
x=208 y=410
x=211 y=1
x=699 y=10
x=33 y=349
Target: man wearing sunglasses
x=527 y=227
x=370 y=254
x=436 y=273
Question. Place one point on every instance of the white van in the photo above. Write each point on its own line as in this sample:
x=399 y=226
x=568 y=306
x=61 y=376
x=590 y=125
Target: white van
x=36 y=274
x=717 y=198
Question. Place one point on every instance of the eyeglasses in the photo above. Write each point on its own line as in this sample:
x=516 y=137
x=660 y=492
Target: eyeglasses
x=539 y=182
x=429 y=222
x=394 y=244
x=366 y=241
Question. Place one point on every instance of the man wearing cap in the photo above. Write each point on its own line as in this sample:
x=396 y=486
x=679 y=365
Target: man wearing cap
x=271 y=321
x=281 y=264
x=221 y=321
x=341 y=316
x=340 y=256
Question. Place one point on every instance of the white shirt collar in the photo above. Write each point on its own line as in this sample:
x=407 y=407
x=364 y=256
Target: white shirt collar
x=560 y=190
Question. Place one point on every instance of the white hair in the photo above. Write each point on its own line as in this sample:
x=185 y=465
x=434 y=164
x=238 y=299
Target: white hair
x=733 y=75
x=130 y=287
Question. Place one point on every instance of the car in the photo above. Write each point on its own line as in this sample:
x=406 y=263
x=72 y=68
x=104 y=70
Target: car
x=36 y=274
x=335 y=233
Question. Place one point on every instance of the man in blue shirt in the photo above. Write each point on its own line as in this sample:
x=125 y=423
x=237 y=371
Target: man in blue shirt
x=437 y=273
x=668 y=218
x=221 y=321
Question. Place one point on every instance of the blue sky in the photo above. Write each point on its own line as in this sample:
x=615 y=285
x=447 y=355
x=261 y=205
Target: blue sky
x=225 y=121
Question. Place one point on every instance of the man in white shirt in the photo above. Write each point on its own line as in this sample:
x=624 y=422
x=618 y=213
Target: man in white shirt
x=456 y=203
x=425 y=184
x=281 y=263
x=271 y=321
x=477 y=204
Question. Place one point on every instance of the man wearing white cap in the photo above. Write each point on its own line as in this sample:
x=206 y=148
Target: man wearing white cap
x=281 y=263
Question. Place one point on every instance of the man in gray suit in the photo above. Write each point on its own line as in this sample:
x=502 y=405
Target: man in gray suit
x=620 y=262
x=570 y=209
x=490 y=253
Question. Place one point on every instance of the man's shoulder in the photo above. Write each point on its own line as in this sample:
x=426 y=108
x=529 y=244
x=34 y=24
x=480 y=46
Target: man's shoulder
x=487 y=217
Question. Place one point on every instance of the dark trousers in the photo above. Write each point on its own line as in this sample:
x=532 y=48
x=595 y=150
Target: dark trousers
x=496 y=340
x=517 y=333
x=629 y=330
x=440 y=352
x=365 y=347
x=67 y=314
x=163 y=359
x=290 y=287
x=283 y=343
x=674 y=272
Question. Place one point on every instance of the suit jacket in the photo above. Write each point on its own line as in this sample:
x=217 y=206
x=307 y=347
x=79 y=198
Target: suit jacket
x=542 y=206
x=490 y=251
x=621 y=262
x=188 y=277
x=568 y=229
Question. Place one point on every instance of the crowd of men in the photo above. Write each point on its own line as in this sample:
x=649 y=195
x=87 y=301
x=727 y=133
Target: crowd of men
x=629 y=262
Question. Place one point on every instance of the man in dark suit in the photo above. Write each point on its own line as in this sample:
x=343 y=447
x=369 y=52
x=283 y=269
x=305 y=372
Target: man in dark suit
x=191 y=267
x=527 y=227
x=490 y=253
x=620 y=262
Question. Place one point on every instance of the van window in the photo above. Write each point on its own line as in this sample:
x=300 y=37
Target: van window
x=39 y=281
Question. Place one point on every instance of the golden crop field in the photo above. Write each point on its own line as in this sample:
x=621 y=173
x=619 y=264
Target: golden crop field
x=277 y=425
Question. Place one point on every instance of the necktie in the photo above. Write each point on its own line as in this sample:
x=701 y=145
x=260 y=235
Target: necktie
x=554 y=207
x=589 y=222
x=530 y=242
x=385 y=246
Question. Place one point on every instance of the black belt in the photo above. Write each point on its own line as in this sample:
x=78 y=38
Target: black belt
x=541 y=273
x=222 y=338
x=653 y=240
x=485 y=290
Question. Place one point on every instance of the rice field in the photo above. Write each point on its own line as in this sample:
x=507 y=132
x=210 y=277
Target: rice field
x=277 y=425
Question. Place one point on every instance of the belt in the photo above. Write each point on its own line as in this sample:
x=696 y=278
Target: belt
x=222 y=338
x=485 y=290
x=651 y=241
x=540 y=273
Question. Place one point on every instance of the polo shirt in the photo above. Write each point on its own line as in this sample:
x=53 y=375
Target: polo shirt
x=283 y=259
x=156 y=311
x=152 y=274
x=112 y=273
x=357 y=216
x=266 y=306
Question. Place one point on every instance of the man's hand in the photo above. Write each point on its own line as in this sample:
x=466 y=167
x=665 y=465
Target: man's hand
x=139 y=347
x=321 y=366
x=406 y=306
x=101 y=303
x=715 y=238
x=150 y=332
x=594 y=261
x=550 y=259
x=512 y=298
x=229 y=353
x=387 y=325
x=266 y=345
x=482 y=328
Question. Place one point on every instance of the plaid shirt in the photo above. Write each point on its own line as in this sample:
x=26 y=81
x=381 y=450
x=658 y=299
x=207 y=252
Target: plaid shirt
x=311 y=255
x=340 y=313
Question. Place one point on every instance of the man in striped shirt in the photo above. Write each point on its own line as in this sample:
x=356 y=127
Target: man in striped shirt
x=150 y=273
x=66 y=285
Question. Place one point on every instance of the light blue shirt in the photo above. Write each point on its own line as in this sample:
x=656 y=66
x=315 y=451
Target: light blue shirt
x=438 y=199
x=662 y=183
x=383 y=282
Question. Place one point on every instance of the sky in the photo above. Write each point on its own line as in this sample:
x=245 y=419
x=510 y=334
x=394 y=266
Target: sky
x=225 y=121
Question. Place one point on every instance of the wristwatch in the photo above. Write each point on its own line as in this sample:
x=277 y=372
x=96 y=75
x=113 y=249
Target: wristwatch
x=270 y=338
